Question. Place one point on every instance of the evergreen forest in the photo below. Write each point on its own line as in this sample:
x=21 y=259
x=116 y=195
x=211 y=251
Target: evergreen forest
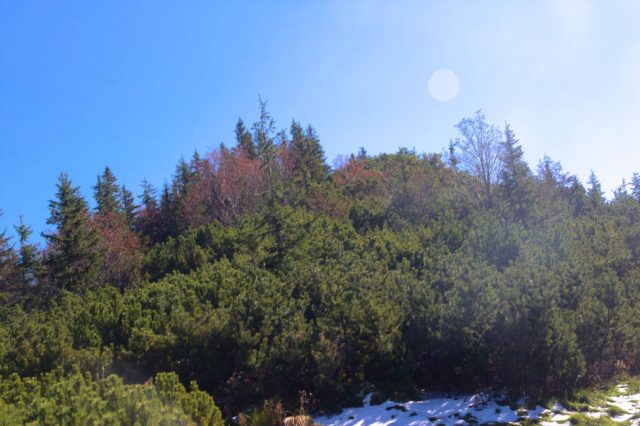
x=259 y=272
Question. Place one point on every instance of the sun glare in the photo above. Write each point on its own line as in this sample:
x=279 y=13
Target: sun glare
x=444 y=85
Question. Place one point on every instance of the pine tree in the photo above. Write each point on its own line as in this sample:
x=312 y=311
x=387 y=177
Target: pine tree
x=273 y=217
x=183 y=181
x=148 y=220
x=244 y=140
x=635 y=186
x=149 y=196
x=308 y=156
x=71 y=253
x=362 y=154
x=565 y=359
x=7 y=263
x=595 y=195
x=515 y=177
x=128 y=206
x=106 y=193
x=550 y=172
x=182 y=178
x=263 y=131
x=167 y=214
x=451 y=157
x=28 y=262
x=621 y=193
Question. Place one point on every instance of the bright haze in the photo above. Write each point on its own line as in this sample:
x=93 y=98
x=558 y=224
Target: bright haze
x=137 y=85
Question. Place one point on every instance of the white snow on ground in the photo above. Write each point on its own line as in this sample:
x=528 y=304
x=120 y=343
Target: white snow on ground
x=432 y=411
x=480 y=409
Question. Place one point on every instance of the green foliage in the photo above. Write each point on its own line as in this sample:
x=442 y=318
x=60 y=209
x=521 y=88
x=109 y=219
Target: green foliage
x=267 y=274
x=29 y=262
x=566 y=362
x=77 y=399
x=515 y=186
x=128 y=206
x=106 y=193
x=244 y=140
x=72 y=255
x=583 y=419
x=8 y=259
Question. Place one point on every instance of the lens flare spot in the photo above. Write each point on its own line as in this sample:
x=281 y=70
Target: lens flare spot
x=444 y=85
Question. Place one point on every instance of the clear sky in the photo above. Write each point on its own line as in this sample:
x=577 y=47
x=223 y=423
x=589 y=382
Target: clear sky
x=137 y=84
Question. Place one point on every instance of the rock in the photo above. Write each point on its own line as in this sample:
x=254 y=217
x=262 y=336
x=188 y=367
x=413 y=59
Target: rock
x=397 y=407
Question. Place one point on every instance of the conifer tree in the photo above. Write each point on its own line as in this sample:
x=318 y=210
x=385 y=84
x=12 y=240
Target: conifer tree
x=308 y=156
x=7 y=263
x=621 y=193
x=128 y=206
x=635 y=186
x=566 y=361
x=148 y=220
x=595 y=195
x=244 y=140
x=550 y=172
x=4 y=245
x=362 y=153
x=273 y=218
x=28 y=261
x=182 y=178
x=106 y=193
x=266 y=151
x=515 y=185
x=149 y=196
x=71 y=253
x=167 y=213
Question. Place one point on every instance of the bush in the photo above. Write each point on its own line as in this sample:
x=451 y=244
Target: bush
x=66 y=399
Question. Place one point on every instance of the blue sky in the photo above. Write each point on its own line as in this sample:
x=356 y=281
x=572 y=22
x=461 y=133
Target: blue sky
x=136 y=85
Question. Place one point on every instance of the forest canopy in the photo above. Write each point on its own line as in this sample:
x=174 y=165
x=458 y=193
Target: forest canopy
x=259 y=272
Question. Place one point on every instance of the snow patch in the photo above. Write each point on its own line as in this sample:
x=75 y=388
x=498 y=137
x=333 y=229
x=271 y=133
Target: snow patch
x=475 y=409
x=440 y=410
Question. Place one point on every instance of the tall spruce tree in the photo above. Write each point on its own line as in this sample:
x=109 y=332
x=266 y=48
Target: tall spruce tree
x=29 y=263
x=515 y=177
x=308 y=155
x=4 y=246
x=168 y=213
x=595 y=195
x=272 y=219
x=7 y=263
x=128 y=206
x=263 y=131
x=149 y=197
x=621 y=193
x=635 y=186
x=71 y=253
x=148 y=220
x=183 y=176
x=244 y=140
x=106 y=193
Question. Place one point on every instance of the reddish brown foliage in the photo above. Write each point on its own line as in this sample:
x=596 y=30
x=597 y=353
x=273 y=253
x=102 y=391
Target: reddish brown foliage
x=121 y=262
x=200 y=204
x=358 y=180
x=239 y=186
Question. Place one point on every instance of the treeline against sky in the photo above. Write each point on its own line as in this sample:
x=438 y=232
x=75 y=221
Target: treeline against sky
x=260 y=272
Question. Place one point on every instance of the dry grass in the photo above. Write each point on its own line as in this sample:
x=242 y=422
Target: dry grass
x=300 y=420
